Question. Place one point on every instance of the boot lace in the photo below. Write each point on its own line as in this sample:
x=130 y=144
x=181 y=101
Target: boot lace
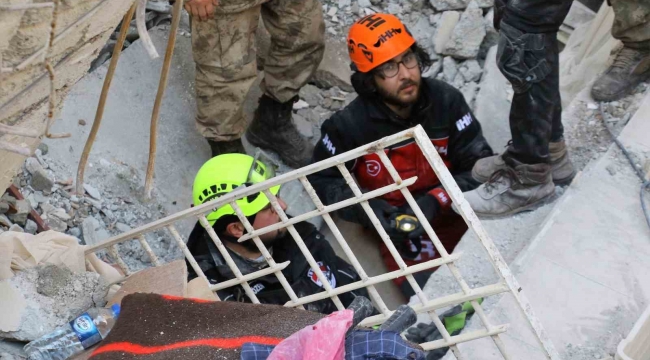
x=499 y=177
x=627 y=58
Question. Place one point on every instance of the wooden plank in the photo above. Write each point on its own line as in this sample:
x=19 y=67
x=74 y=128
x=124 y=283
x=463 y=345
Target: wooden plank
x=169 y=279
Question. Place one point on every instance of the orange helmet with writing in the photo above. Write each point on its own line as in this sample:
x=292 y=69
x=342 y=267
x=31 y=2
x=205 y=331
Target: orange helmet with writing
x=377 y=38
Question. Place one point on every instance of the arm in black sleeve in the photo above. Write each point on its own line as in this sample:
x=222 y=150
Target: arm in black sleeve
x=466 y=144
x=329 y=184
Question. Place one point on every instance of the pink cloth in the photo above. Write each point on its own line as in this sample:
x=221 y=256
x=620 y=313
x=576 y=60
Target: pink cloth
x=324 y=340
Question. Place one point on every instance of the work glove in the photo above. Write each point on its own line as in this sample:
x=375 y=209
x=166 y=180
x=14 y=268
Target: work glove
x=430 y=207
x=384 y=212
x=454 y=320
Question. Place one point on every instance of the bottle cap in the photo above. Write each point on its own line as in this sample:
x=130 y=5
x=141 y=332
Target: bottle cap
x=116 y=309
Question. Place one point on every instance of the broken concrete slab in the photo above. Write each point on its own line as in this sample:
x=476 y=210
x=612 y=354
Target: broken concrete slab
x=468 y=34
x=31 y=227
x=12 y=304
x=56 y=224
x=4 y=221
x=88 y=228
x=492 y=106
x=50 y=306
x=469 y=92
x=22 y=212
x=449 y=68
x=471 y=71
x=334 y=69
x=423 y=31
x=41 y=180
x=445 y=29
x=443 y=5
x=94 y=193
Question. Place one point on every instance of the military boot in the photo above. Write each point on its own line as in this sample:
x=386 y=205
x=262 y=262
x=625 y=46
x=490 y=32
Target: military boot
x=515 y=188
x=562 y=168
x=273 y=129
x=630 y=68
x=226 y=147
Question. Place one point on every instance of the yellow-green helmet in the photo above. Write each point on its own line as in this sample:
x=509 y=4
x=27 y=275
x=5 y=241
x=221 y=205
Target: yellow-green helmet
x=223 y=174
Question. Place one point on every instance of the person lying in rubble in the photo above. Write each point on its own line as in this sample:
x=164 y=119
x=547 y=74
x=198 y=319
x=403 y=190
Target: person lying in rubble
x=221 y=175
x=393 y=96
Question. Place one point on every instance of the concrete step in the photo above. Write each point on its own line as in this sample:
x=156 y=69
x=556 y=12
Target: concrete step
x=586 y=273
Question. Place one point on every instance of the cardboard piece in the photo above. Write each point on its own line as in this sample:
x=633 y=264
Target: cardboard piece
x=12 y=304
x=169 y=279
x=21 y=251
x=199 y=288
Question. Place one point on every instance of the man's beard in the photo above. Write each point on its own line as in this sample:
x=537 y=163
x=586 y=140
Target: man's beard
x=393 y=99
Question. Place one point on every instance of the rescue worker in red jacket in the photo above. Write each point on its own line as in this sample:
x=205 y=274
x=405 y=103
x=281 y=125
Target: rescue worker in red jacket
x=387 y=68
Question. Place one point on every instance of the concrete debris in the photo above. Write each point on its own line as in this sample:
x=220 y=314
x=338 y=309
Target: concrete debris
x=94 y=193
x=364 y=3
x=446 y=27
x=334 y=70
x=16 y=228
x=443 y=5
x=56 y=224
x=31 y=227
x=4 y=221
x=492 y=106
x=4 y=207
x=304 y=126
x=491 y=35
x=41 y=180
x=121 y=227
x=423 y=31
x=53 y=295
x=471 y=71
x=300 y=104
x=88 y=228
x=468 y=34
x=22 y=211
x=469 y=92
x=449 y=69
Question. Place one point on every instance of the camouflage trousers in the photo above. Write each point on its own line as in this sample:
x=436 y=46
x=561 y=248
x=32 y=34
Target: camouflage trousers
x=632 y=22
x=224 y=50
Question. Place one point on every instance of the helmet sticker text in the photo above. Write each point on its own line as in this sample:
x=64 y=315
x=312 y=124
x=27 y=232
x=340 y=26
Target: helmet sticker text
x=387 y=35
x=371 y=21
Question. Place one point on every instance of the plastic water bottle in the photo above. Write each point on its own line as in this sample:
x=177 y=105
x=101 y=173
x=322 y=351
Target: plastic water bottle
x=73 y=338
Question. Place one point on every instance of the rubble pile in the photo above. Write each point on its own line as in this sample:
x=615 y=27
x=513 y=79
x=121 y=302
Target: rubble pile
x=92 y=217
x=456 y=33
x=49 y=296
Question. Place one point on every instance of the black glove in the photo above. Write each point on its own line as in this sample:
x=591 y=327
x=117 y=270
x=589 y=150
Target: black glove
x=430 y=208
x=454 y=320
x=384 y=212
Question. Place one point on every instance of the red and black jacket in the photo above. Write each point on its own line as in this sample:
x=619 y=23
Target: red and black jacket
x=445 y=116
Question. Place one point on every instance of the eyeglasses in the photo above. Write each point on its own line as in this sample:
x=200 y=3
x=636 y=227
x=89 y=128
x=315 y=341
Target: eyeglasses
x=390 y=69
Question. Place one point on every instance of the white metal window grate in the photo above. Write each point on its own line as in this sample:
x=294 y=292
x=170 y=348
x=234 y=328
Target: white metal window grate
x=507 y=282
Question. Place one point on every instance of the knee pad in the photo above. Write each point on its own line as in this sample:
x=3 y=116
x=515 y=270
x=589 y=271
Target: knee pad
x=524 y=58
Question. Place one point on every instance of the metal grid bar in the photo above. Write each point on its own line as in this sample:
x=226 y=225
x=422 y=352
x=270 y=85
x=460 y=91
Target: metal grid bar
x=265 y=252
x=118 y=259
x=148 y=250
x=473 y=223
x=305 y=251
x=229 y=261
x=328 y=209
x=391 y=247
x=188 y=255
x=373 y=280
x=508 y=283
x=372 y=291
x=443 y=253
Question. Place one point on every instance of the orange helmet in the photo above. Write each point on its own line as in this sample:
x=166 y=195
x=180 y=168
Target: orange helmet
x=377 y=38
